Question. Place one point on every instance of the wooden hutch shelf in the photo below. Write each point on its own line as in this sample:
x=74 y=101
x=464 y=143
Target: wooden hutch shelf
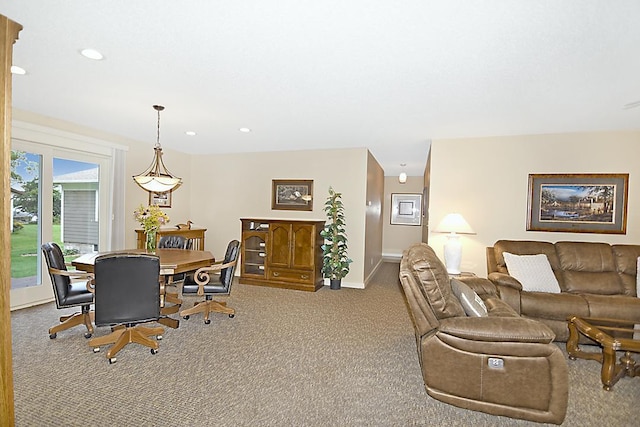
x=282 y=253
x=195 y=234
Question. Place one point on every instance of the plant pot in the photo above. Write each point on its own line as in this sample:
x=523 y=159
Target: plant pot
x=335 y=283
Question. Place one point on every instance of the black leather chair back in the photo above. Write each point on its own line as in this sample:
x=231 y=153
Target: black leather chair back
x=127 y=289
x=226 y=274
x=173 y=242
x=55 y=259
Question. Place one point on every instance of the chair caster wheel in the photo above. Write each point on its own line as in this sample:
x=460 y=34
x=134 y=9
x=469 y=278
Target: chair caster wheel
x=206 y=322
x=154 y=351
x=53 y=336
x=112 y=360
x=158 y=337
x=96 y=349
x=87 y=335
x=185 y=317
x=231 y=316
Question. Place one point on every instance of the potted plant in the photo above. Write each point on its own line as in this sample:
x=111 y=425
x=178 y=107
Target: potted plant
x=335 y=262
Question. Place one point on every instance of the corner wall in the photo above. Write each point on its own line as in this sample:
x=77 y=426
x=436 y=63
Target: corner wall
x=486 y=180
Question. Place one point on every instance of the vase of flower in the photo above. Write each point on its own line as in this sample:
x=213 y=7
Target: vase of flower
x=150 y=218
x=150 y=239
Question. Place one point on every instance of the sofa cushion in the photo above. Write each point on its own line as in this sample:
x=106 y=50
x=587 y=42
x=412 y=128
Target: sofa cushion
x=626 y=260
x=542 y=305
x=533 y=272
x=525 y=247
x=589 y=268
x=433 y=280
x=471 y=303
x=613 y=306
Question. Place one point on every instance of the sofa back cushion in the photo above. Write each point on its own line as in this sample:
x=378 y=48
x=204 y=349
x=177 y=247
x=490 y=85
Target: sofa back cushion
x=589 y=268
x=527 y=247
x=626 y=258
x=433 y=280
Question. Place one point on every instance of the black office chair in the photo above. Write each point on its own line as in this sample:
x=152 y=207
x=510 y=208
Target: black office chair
x=127 y=293
x=174 y=242
x=70 y=290
x=205 y=283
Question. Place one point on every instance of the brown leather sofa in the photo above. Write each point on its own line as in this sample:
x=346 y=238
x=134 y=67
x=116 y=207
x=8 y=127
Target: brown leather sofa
x=596 y=280
x=501 y=364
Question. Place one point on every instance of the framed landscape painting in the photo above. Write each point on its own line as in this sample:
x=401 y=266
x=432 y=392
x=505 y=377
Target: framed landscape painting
x=163 y=200
x=578 y=203
x=296 y=195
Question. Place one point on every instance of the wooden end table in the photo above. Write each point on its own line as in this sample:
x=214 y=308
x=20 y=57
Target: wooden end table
x=613 y=335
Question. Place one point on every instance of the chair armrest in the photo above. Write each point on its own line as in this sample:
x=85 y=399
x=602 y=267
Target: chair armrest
x=77 y=275
x=497 y=329
x=481 y=286
x=202 y=275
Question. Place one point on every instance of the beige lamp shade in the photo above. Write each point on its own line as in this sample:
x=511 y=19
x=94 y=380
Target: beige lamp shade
x=454 y=223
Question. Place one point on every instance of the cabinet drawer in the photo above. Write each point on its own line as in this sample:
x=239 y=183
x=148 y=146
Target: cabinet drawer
x=288 y=275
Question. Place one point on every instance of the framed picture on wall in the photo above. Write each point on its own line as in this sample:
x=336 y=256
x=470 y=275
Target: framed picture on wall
x=578 y=203
x=406 y=209
x=293 y=195
x=163 y=200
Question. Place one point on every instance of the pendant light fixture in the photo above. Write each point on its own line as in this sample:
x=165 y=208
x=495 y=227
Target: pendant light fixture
x=156 y=177
x=402 y=178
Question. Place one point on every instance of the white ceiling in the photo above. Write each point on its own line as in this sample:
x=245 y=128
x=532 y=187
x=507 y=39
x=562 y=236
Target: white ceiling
x=386 y=75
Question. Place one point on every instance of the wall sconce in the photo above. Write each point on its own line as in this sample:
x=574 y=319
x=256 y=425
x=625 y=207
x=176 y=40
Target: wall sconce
x=156 y=177
x=454 y=224
x=402 y=178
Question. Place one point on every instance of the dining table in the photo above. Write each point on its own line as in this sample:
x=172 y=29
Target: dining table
x=172 y=262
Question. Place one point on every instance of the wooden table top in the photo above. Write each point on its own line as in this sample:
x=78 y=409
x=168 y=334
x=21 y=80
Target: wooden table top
x=172 y=261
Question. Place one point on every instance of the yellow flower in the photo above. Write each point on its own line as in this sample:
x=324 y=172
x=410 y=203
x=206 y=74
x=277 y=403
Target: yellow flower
x=150 y=217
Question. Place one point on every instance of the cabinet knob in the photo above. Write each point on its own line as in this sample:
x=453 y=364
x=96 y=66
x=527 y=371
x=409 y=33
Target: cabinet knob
x=275 y=273
x=304 y=276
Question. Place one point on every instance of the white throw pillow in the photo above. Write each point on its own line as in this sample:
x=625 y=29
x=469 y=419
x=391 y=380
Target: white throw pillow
x=533 y=272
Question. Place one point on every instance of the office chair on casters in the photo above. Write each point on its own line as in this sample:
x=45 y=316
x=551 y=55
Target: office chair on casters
x=127 y=293
x=174 y=242
x=68 y=293
x=207 y=284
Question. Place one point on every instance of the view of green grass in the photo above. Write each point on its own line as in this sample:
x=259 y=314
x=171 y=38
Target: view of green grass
x=24 y=249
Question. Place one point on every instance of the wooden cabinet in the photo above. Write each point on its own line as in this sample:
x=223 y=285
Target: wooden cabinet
x=195 y=234
x=282 y=253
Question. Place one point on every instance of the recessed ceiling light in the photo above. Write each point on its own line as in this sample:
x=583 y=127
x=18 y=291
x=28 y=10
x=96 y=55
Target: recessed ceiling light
x=245 y=130
x=18 y=70
x=190 y=133
x=91 y=54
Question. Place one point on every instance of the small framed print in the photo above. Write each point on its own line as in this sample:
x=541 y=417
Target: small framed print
x=294 y=195
x=162 y=200
x=406 y=209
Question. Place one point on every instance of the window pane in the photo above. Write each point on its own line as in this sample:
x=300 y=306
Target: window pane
x=75 y=206
x=25 y=218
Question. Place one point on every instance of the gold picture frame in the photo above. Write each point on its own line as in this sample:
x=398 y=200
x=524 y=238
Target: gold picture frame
x=578 y=203
x=292 y=194
x=162 y=200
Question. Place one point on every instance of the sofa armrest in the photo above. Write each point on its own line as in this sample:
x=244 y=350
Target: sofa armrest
x=509 y=289
x=497 y=329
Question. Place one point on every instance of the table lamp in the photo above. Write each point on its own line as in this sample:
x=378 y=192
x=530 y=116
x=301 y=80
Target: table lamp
x=454 y=224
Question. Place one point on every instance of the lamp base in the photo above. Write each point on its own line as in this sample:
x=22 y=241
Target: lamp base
x=453 y=254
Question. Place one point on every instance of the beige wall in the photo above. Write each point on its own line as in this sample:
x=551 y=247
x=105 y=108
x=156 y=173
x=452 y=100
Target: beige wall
x=225 y=188
x=396 y=238
x=486 y=180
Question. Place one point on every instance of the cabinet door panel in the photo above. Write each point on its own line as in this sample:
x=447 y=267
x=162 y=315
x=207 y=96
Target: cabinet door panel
x=302 y=246
x=279 y=253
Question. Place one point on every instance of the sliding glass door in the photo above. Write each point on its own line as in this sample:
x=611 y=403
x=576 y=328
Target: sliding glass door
x=56 y=196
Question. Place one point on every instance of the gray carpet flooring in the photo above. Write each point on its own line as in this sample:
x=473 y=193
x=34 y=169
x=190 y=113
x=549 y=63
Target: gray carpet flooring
x=288 y=358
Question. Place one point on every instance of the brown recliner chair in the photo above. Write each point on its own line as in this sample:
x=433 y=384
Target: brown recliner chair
x=500 y=364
